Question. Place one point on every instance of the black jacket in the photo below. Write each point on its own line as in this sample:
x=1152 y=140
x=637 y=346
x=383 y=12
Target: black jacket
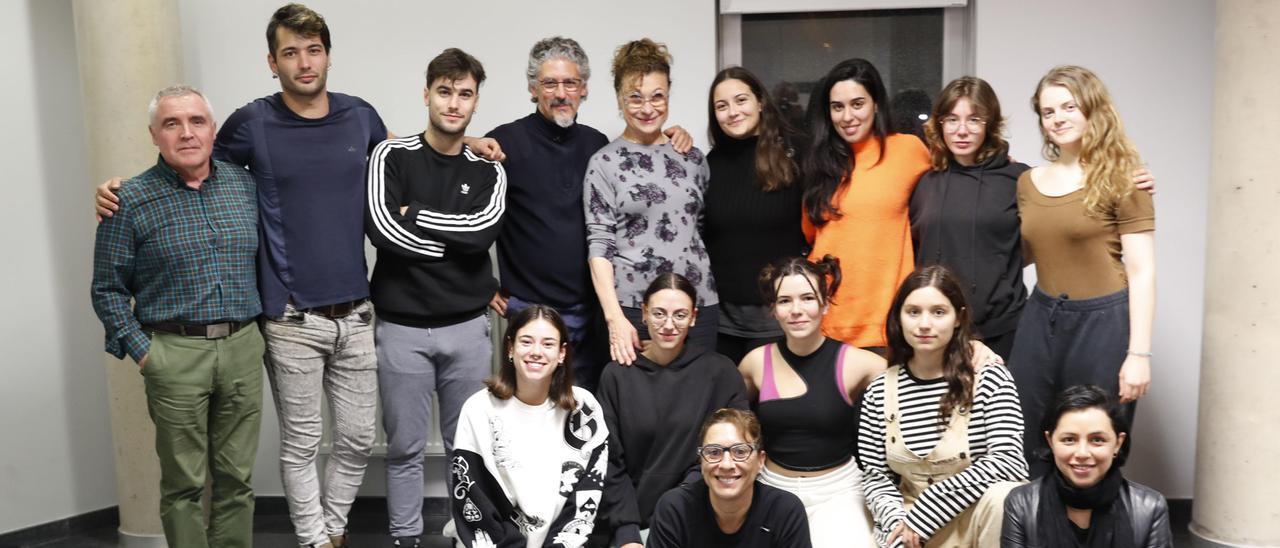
x=1147 y=509
x=966 y=218
x=654 y=414
x=433 y=264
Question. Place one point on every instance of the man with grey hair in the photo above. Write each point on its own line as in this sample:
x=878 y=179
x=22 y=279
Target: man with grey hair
x=182 y=248
x=542 y=249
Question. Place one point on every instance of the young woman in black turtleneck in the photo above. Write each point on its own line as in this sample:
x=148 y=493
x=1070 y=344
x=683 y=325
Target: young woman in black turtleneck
x=752 y=205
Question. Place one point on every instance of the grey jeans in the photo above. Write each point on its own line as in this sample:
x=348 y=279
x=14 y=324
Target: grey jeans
x=310 y=357
x=413 y=362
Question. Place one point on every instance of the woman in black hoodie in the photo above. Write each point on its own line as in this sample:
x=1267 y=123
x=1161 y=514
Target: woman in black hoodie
x=964 y=213
x=655 y=407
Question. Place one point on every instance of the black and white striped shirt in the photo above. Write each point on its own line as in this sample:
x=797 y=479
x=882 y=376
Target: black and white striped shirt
x=995 y=448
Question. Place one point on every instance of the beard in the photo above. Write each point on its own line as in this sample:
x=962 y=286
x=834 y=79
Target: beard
x=563 y=120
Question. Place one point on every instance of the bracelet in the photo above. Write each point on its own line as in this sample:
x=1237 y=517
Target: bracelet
x=1139 y=354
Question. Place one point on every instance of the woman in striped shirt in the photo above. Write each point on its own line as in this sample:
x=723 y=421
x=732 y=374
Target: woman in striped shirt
x=939 y=445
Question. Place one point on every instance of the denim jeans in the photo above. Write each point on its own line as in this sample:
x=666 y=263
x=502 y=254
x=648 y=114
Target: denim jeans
x=311 y=357
x=413 y=362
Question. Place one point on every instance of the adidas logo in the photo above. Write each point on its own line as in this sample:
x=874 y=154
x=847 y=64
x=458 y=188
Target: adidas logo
x=466 y=188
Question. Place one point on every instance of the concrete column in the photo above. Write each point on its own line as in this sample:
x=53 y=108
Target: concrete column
x=128 y=49
x=1237 y=446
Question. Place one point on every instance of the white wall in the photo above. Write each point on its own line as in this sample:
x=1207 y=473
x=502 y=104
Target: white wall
x=56 y=459
x=380 y=52
x=1156 y=58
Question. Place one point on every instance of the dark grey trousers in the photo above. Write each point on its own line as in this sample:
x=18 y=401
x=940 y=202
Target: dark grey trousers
x=1063 y=342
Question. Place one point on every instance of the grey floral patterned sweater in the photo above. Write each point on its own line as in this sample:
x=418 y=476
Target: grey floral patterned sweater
x=644 y=214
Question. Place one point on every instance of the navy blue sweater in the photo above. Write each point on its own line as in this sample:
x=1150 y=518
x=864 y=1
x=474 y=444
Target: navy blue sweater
x=310 y=175
x=542 y=249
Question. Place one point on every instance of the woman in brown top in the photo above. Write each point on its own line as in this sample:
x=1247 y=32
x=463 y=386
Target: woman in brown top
x=1091 y=237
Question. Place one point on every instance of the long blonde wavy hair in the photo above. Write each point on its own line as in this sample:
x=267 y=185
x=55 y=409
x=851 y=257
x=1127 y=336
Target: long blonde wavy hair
x=1106 y=153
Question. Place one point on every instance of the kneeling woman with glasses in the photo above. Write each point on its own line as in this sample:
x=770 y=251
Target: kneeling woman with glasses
x=655 y=407
x=939 y=445
x=727 y=507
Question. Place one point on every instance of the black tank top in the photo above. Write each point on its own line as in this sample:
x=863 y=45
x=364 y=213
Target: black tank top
x=815 y=430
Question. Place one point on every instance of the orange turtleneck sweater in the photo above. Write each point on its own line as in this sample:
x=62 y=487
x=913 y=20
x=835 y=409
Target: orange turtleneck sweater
x=872 y=238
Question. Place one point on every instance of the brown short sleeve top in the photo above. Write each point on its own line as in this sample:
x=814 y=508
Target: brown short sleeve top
x=1075 y=253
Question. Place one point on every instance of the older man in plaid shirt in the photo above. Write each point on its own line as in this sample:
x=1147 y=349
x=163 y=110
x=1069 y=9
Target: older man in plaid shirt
x=182 y=247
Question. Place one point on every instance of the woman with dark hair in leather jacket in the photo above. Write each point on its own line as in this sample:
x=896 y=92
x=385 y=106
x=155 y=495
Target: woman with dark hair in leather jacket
x=1085 y=501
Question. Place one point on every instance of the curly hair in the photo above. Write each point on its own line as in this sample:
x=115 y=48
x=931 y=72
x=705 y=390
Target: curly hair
x=557 y=47
x=984 y=103
x=637 y=58
x=1106 y=153
x=775 y=157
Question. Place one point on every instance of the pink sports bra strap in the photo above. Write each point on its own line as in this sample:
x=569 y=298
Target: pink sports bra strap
x=844 y=392
x=768 y=389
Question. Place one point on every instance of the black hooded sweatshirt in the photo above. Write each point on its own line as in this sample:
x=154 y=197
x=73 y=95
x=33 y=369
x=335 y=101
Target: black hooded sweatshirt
x=654 y=414
x=966 y=219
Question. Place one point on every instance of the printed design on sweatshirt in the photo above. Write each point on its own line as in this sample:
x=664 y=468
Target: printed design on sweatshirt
x=528 y=523
x=648 y=194
x=501 y=446
x=664 y=231
x=461 y=477
x=631 y=161
x=570 y=471
x=675 y=171
x=581 y=426
x=634 y=225
x=576 y=530
x=470 y=512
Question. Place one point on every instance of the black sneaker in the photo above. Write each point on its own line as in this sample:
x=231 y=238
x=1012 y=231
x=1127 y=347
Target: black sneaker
x=406 y=542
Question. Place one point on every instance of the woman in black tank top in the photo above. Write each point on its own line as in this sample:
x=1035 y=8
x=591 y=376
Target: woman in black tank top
x=805 y=391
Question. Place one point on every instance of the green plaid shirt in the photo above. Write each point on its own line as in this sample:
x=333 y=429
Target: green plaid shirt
x=183 y=255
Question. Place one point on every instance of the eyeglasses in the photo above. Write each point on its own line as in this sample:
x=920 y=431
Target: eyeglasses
x=951 y=124
x=740 y=452
x=660 y=318
x=570 y=85
x=635 y=101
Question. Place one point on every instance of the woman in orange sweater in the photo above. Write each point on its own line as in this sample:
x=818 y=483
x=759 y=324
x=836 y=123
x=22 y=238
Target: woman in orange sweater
x=859 y=179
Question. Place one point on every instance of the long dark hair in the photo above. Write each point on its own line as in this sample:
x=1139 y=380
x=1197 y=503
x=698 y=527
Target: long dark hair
x=503 y=384
x=775 y=164
x=956 y=368
x=824 y=274
x=829 y=161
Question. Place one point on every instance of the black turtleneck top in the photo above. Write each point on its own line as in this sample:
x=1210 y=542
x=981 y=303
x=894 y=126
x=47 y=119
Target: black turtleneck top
x=542 y=249
x=745 y=227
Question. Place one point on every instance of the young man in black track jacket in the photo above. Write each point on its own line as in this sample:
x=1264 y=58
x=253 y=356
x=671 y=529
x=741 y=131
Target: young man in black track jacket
x=433 y=210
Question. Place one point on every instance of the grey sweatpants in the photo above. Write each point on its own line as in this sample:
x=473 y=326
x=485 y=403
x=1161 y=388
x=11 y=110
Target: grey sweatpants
x=452 y=361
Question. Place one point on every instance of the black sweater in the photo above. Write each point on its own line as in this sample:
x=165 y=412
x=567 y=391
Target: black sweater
x=433 y=260
x=746 y=228
x=542 y=250
x=966 y=218
x=654 y=414
x=684 y=519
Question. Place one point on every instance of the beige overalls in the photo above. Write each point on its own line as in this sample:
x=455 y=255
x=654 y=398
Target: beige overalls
x=979 y=524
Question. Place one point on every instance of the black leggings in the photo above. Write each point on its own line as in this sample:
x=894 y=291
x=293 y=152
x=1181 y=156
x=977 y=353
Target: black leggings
x=1061 y=343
